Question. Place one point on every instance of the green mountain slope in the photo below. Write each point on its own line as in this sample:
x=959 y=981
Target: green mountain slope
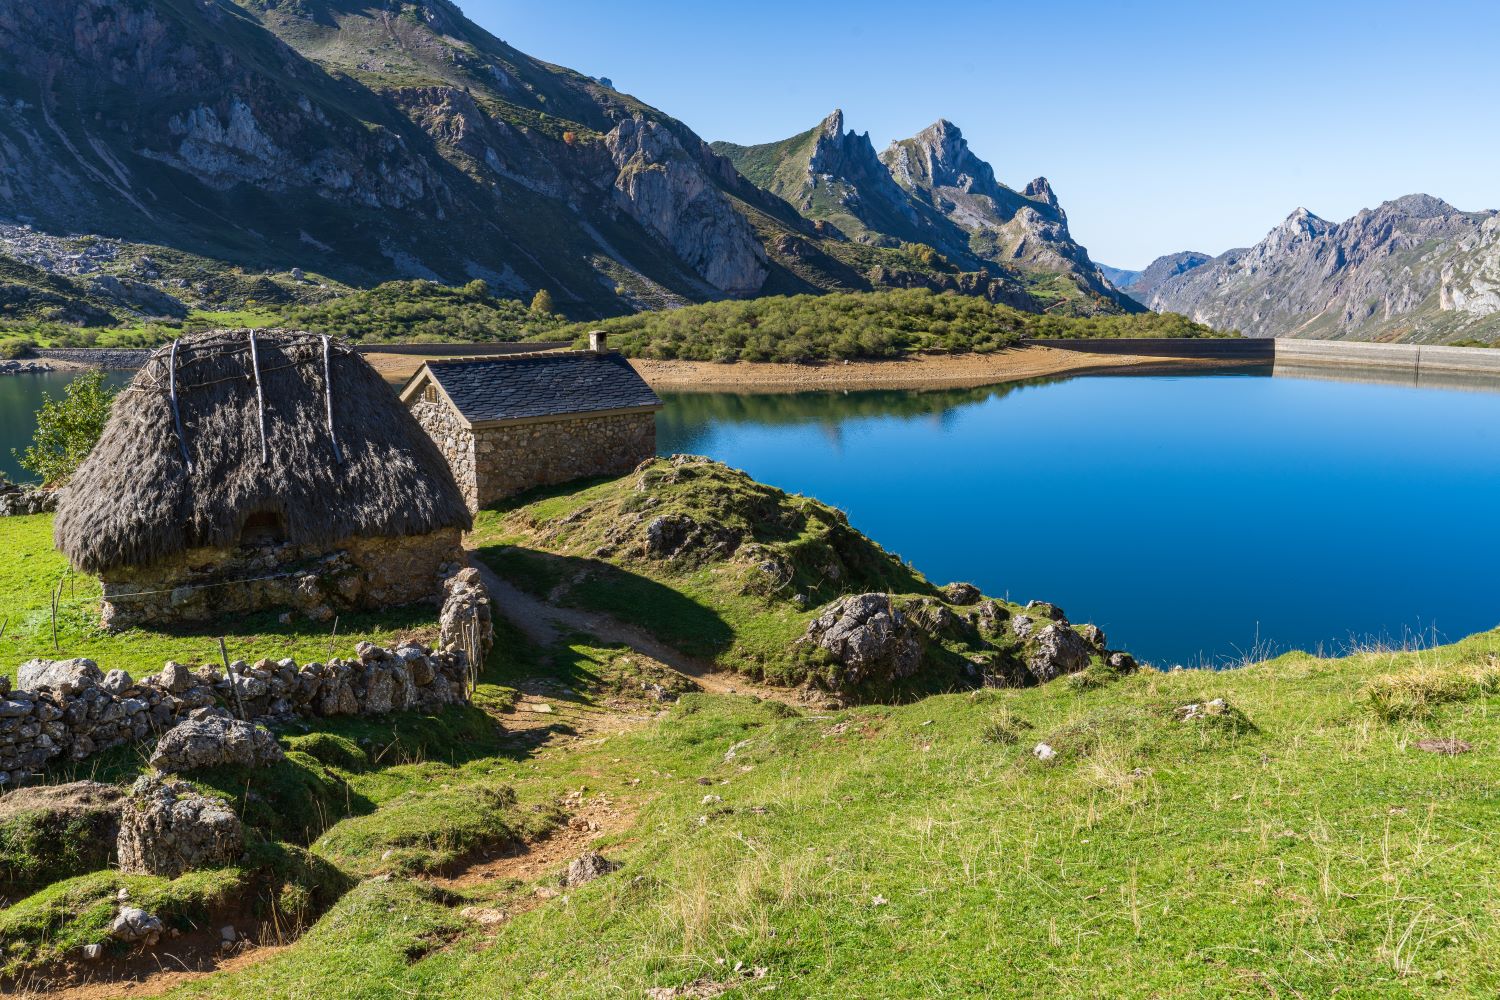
x=932 y=190
x=369 y=142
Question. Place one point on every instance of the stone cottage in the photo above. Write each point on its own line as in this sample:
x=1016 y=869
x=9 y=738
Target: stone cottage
x=509 y=423
x=246 y=470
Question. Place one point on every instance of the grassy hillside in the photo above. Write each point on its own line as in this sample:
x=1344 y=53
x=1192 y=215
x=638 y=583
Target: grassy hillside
x=887 y=324
x=1301 y=827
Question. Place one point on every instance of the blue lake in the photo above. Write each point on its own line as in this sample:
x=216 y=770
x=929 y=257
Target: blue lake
x=1196 y=519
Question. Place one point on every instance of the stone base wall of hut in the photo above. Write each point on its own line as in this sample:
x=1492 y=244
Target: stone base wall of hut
x=361 y=574
x=513 y=458
x=454 y=440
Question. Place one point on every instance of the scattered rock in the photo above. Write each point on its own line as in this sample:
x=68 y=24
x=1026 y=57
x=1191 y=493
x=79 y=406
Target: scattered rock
x=1094 y=636
x=168 y=828
x=1122 y=663
x=215 y=741
x=484 y=916
x=93 y=952
x=1043 y=752
x=586 y=868
x=1450 y=747
x=1187 y=713
x=133 y=925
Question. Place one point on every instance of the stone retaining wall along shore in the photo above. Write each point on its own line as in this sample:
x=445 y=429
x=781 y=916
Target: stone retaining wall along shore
x=68 y=710
x=111 y=358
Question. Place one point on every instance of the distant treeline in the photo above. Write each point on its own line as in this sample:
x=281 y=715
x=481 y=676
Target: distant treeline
x=882 y=324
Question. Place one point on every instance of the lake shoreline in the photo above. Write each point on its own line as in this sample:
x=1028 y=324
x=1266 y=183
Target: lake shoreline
x=928 y=371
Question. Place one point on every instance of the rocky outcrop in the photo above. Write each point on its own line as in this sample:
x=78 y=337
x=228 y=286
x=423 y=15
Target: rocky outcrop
x=167 y=828
x=1057 y=650
x=869 y=637
x=663 y=188
x=1141 y=285
x=1414 y=269
x=215 y=741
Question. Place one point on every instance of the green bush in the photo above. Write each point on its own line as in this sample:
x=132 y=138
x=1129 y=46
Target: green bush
x=67 y=429
x=883 y=324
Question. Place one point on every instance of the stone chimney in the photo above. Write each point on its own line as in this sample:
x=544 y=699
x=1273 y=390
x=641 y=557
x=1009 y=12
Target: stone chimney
x=599 y=341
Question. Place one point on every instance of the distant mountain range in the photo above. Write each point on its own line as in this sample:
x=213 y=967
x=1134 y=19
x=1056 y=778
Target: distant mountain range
x=1414 y=269
x=367 y=141
x=931 y=190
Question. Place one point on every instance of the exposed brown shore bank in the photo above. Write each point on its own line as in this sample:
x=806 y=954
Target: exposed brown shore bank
x=920 y=372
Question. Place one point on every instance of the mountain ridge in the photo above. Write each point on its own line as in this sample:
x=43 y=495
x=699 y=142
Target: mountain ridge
x=402 y=140
x=1414 y=268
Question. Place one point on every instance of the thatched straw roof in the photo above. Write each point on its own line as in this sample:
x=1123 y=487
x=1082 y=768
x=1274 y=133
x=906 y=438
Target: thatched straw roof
x=135 y=500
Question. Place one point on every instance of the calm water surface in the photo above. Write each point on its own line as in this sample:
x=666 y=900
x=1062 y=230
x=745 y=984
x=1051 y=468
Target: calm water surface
x=20 y=396
x=1190 y=517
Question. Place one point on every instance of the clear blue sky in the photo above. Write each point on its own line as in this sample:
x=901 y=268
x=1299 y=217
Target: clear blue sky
x=1162 y=126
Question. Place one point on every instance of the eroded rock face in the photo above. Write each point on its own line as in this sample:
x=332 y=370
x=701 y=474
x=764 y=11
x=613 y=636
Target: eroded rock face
x=214 y=741
x=664 y=189
x=62 y=676
x=869 y=636
x=1057 y=650
x=167 y=828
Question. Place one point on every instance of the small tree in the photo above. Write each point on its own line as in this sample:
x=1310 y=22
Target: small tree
x=541 y=302
x=67 y=429
x=477 y=289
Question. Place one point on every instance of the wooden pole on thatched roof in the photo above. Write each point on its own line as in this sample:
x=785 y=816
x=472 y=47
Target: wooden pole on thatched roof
x=176 y=410
x=260 y=402
x=338 y=454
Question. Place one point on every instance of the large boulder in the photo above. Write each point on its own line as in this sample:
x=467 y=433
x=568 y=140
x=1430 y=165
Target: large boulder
x=869 y=636
x=62 y=676
x=214 y=741
x=586 y=868
x=167 y=828
x=1056 y=650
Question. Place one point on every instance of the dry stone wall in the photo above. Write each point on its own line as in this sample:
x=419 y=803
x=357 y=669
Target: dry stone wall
x=68 y=710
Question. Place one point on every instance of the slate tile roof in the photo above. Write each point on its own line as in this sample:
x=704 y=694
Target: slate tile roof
x=541 y=385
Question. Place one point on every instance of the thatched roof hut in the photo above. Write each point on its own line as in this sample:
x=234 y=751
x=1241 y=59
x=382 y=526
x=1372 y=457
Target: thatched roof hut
x=276 y=431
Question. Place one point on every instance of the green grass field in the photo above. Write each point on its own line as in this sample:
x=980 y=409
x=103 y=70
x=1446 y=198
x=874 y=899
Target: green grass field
x=32 y=569
x=1302 y=844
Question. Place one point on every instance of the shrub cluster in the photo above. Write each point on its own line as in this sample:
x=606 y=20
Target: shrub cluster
x=881 y=324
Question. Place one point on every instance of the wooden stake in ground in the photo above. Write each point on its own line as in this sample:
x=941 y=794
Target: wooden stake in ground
x=233 y=685
x=56 y=597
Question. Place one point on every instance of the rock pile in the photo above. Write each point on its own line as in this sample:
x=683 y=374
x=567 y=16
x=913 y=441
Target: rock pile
x=16 y=500
x=167 y=828
x=23 y=367
x=215 y=741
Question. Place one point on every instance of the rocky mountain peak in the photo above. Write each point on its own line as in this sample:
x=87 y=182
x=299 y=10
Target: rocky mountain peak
x=1041 y=190
x=1417 y=206
x=833 y=125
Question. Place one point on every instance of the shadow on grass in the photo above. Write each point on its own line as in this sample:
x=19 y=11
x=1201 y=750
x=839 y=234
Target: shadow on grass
x=594 y=585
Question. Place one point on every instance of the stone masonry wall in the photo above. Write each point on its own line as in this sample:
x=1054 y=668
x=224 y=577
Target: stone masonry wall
x=70 y=709
x=512 y=458
x=360 y=574
x=454 y=440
